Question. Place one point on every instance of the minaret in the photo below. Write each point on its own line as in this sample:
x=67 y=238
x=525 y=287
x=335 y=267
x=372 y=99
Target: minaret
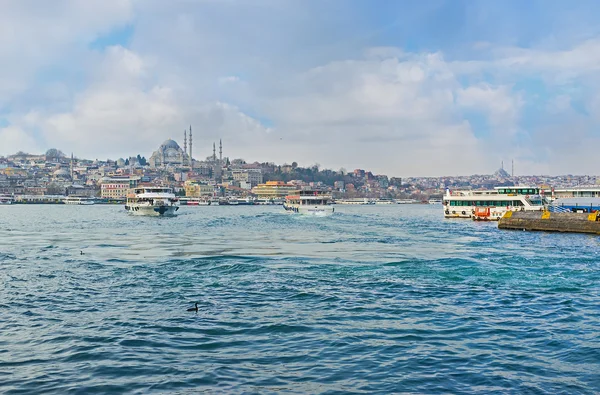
x=191 y=159
x=220 y=151
x=214 y=153
x=184 y=146
x=71 y=166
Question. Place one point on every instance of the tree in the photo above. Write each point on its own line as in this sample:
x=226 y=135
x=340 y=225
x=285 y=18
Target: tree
x=294 y=165
x=127 y=162
x=55 y=189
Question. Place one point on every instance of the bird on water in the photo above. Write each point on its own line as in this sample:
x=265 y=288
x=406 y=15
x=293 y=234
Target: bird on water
x=194 y=308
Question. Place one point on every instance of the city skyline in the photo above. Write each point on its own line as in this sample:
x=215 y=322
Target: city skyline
x=411 y=89
x=502 y=171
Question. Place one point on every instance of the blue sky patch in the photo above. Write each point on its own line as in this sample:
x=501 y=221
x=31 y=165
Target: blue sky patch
x=119 y=36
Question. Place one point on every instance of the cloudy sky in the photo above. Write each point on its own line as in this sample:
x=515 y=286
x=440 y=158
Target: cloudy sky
x=421 y=88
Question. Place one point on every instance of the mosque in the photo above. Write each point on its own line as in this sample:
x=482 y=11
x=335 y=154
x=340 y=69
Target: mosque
x=170 y=153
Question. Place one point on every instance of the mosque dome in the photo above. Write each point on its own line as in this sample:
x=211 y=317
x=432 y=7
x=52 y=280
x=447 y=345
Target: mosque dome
x=170 y=144
x=61 y=173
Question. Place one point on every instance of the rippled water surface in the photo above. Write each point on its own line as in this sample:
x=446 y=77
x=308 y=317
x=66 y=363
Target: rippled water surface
x=378 y=299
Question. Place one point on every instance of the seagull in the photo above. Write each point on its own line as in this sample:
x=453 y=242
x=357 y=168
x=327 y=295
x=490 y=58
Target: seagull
x=194 y=308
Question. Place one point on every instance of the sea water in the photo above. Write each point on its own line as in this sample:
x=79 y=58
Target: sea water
x=374 y=299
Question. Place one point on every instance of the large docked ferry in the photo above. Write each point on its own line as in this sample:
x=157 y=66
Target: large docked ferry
x=153 y=201
x=492 y=204
x=309 y=202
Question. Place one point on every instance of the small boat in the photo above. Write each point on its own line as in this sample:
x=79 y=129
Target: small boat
x=246 y=201
x=77 y=200
x=309 y=202
x=194 y=202
x=264 y=202
x=6 y=200
x=486 y=214
x=152 y=201
x=357 y=201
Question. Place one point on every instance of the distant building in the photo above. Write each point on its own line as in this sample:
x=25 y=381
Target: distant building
x=274 y=189
x=250 y=176
x=116 y=187
x=197 y=189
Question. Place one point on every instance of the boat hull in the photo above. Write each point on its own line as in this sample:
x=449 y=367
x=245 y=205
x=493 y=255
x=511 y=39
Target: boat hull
x=153 y=211
x=494 y=214
x=198 y=203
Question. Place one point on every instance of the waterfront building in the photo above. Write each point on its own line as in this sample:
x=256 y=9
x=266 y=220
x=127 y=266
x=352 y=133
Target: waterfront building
x=81 y=191
x=582 y=191
x=195 y=188
x=274 y=190
x=116 y=187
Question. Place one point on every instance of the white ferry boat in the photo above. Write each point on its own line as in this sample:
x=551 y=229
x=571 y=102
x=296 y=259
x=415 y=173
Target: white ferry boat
x=153 y=201
x=492 y=204
x=309 y=202
x=385 y=201
x=194 y=202
x=6 y=199
x=359 y=201
x=77 y=200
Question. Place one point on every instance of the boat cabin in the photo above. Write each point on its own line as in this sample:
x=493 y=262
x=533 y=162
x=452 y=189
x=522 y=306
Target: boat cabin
x=308 y=197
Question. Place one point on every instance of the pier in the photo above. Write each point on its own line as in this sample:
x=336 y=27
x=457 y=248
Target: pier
x=551 y=222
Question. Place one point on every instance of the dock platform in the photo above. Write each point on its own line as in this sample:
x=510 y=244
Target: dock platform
x=551 y=222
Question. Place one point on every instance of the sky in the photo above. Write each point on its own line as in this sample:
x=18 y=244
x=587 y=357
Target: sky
x=403 y=88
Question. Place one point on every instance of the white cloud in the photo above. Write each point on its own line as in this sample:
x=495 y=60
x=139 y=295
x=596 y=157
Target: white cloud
x=229 y=79
x=35 y=34
x=499 y=103
x=16 y=139
x=275 y=91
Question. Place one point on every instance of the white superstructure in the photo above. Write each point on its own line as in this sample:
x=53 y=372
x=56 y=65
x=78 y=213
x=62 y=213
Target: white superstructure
x=153 y=201
x=361 y=201
x=6 y=199
x=85 y=201
x=492 y=204
x=309 y=203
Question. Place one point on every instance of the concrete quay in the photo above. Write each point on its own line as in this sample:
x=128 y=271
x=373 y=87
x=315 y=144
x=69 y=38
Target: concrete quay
x=551 y=222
